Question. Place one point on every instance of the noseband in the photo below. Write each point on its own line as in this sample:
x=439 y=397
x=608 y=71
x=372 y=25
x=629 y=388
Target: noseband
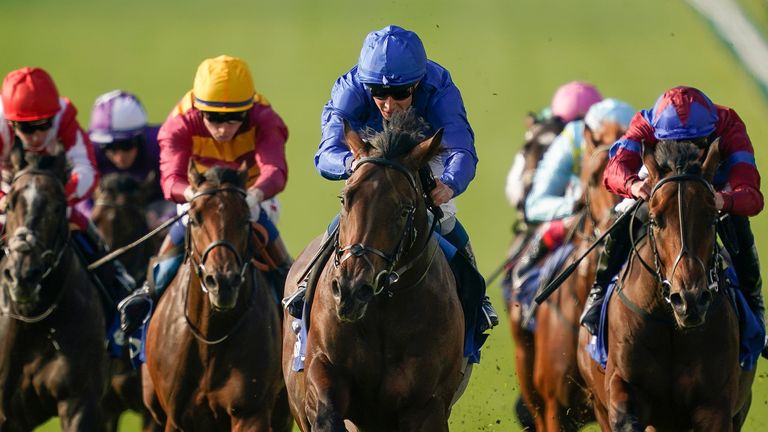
x=385 y=278
x=712 y=272
x=243 y=262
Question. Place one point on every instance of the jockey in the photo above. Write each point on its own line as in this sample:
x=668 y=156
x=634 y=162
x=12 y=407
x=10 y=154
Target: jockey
x=685 y=113
x=557 y=185
x=33 y=116
x=569 y=103
x=392 y=74
x=220 y=122
x=125 y=143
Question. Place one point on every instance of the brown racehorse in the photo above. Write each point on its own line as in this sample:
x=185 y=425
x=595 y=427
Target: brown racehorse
x=52 y=356
x=213 y=344
x=118 y=213
x=673 y=341
x=384 y=348
x=557 y=382
x=538 y=137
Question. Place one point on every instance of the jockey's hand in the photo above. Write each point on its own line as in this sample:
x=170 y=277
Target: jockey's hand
x=441 y=194
x=254 y=198
x=719 y=201
x=640 y=189
x=189 y=193
x=3 y=203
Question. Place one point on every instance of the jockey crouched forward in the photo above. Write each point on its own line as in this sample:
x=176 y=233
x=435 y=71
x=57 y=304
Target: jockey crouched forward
x=33 y=116
x=685 y=113
x=393 y=73
x=222 y=121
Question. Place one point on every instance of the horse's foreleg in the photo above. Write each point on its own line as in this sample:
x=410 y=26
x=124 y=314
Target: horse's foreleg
x=282 y=420
x=150 y=398
x=327 y=398
x=622 y=406
x=431 y=417
x=712 y=417
x=81 y=414
x=256 y=423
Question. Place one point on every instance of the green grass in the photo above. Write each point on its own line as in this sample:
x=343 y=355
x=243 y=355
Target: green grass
x=507 y=57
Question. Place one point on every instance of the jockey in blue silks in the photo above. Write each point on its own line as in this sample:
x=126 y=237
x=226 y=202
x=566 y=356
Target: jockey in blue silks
x=393 y=73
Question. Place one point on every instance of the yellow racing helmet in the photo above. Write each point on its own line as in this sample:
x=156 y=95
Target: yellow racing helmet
x=223 y=84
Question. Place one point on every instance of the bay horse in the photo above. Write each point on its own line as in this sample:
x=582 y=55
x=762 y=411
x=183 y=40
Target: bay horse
x=213 y=344
x=118 y=213
x=385 y=340
x=673 y=335
x=560 y=400
x=52 y=356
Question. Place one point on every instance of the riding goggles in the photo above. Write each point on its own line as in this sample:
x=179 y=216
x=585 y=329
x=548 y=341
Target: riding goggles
x=225 y=117
x=30 y=127
x=397 y=93
x=120 y=145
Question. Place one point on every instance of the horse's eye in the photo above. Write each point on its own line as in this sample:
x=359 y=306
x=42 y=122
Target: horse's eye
x=657 y=220
x=405 y=211
x=195 y=218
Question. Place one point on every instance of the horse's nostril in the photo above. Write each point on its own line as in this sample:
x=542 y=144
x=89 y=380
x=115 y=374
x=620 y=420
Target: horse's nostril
x=210 y=281
x=335 y=288
x=365 y=293
x=677 y=300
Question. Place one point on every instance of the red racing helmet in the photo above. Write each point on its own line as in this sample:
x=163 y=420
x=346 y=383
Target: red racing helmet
x=29 y=94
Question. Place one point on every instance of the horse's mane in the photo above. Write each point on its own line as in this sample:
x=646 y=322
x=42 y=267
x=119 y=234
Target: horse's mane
x=679 y=157
x=404 y=130
x=117 y=183
x=219 y=175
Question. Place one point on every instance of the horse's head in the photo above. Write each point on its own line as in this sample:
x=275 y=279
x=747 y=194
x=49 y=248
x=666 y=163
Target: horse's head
x=36 y=223
x=118 y=208
x=220 y=232
x=539 y=135
x=682 y=226
x=595 y=149
x=382 y=207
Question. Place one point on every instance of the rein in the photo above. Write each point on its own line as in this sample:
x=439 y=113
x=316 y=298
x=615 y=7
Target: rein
x=389 y=276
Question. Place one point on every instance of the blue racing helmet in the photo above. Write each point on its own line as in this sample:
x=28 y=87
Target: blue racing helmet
x=682 y=113
x=392 y=56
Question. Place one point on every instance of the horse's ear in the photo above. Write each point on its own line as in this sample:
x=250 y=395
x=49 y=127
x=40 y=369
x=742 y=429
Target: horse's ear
x=427 y=149
x=16 y=158
x=649 y=160
x=530 y=119
x=242 y=173
x=193 y=176
x=712 y=160
x=356 y=144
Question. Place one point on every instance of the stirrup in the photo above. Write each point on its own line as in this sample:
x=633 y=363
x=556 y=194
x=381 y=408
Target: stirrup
x=490 y=317
x=294 y=303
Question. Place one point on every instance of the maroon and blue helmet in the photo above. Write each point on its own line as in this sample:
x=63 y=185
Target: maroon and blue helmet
x=392 y=56
x=682 y=113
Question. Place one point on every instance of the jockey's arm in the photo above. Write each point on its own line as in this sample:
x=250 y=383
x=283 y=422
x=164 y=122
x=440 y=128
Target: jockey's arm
x=80 y=155
x=625 y=157
x=270 y=153
x=175 y=151
x=549 y=198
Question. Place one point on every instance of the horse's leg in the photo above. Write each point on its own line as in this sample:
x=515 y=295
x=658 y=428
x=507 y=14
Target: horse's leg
x=282 y=419
x=150 y=398
x=623 y=405
x=259 y=422
x=712 y=417
x=431 y=417
x=524 y=361
x=327 y=397
x=80 y=414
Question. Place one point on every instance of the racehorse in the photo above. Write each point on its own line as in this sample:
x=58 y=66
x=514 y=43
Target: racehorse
x=384 y=344
x=562 y=400
x=118 y=213
x=673 y=341
x=213 y=344
x=52 y=356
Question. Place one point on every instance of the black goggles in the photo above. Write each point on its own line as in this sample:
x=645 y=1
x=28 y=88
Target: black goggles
x=31 y=127
x=225 y=117
x=397 y=93
x=121 y=145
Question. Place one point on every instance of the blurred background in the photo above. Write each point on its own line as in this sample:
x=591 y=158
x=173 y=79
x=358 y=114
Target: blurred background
x=507 y=58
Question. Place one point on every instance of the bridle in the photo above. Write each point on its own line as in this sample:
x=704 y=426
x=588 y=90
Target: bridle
x=389 y=276
x=656 y=270
x=56 y=251
x=198 y=259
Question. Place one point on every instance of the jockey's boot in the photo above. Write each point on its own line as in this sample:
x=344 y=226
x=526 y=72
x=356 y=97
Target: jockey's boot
x=747 y=266
x=535 y=251
x=489 y=318
x=115 y=281
x=135 y=309
x=278 y=252
x=613 y=256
